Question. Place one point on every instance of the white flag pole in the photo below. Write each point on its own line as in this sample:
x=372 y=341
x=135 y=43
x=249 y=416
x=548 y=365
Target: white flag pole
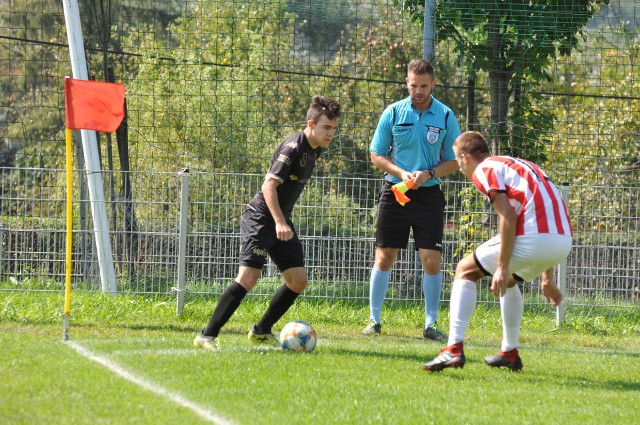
x=91 y=154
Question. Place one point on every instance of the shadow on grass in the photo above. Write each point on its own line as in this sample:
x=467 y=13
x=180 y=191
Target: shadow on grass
x=582 y=382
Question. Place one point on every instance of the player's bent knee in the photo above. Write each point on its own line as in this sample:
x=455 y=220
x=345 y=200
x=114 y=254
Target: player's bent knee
x=467 y=269
x=296 y=279
x=298 y=287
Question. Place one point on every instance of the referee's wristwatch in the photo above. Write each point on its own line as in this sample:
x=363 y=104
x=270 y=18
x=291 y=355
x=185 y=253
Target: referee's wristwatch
x=431 y=172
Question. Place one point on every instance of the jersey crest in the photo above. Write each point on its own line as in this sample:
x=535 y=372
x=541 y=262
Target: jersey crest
x=433 y=134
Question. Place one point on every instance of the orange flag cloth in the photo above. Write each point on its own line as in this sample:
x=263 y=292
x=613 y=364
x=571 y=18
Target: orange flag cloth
x=399 y=189
x=93 y=105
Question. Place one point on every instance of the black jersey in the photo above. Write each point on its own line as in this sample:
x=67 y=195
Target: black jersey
x=292 y=164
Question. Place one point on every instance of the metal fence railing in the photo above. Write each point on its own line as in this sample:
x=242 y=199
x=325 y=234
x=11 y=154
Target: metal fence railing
x=335 y=219
x=216 y=84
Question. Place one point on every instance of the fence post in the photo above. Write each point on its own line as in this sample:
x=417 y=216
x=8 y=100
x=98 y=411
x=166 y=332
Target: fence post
x=561 y=278
x=1 y=255
x=182 y=238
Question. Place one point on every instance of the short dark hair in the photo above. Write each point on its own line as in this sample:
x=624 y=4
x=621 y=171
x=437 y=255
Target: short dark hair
x=323 y=105
x=471 y=142
x=421 y=67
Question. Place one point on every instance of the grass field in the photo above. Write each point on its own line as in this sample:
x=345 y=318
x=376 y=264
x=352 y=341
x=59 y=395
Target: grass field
x=129 y=359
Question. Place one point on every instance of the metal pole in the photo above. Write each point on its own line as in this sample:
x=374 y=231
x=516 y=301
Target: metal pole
x=1 y=255
x=82 y=213
x=91 y=154
x=182 y=244
x=428 y=33
x=561 y=278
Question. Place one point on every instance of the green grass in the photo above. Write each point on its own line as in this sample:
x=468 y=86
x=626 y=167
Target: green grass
x=585 y=372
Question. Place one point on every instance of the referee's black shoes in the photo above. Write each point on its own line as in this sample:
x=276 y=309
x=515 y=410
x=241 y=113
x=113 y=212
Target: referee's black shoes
x=434 y=333
x=372 y=328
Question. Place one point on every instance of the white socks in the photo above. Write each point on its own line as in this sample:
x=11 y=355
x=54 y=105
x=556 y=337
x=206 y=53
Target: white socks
x=512 y=308
x=463 y=303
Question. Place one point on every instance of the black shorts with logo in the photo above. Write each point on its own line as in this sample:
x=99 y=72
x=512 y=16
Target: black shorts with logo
x=258 y=239
x=424 y=214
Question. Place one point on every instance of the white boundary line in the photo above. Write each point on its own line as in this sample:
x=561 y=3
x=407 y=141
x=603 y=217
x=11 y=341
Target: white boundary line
x=175 y=397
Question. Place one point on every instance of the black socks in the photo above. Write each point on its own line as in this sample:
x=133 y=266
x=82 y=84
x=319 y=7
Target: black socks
x=280 y=303
x=227 y=305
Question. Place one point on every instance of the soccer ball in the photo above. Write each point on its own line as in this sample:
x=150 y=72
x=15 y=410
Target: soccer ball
x=298 y=336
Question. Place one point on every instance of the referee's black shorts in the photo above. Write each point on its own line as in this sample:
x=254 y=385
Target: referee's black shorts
x=258 y=239
x=424 y=214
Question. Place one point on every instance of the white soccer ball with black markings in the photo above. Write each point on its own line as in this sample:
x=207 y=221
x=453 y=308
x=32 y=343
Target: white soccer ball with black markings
x=298 y=336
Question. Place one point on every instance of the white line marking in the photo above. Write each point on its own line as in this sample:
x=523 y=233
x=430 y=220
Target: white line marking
x=175 y=397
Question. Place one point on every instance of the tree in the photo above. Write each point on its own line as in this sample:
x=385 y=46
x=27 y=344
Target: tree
x=513 y=42
x=101 y=15
x=205 y=100
x=31 y=72
x=600 y=157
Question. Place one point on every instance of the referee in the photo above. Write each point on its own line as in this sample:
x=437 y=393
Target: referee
x=413 y=141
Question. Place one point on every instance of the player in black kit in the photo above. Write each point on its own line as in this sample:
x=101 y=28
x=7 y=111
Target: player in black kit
x=266 y=228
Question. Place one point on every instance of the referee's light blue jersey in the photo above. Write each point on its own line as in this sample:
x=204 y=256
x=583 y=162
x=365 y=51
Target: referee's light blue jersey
x=416 y=142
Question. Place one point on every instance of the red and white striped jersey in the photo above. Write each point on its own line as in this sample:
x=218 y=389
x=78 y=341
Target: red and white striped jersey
x=536 y=200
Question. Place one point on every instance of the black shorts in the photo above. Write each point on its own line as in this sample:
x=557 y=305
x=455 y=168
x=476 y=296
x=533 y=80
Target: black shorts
x=424 y=214
x=258 y=239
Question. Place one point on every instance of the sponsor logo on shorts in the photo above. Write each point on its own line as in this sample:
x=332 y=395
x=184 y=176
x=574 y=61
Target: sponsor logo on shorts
x=260 y=252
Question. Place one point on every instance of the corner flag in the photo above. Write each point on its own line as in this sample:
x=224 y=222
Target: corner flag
x=93 y=105
x=89 y=105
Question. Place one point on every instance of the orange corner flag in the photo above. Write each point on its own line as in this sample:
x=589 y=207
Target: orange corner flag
x=93 y=105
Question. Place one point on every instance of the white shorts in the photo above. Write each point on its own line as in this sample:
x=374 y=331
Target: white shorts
x=532 y=254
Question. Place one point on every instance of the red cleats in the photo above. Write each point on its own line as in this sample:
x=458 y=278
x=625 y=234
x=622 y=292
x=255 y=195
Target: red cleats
x=509 y=359
x=451 y=356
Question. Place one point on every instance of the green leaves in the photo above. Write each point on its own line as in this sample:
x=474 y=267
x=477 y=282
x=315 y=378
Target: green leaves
x=513 y=42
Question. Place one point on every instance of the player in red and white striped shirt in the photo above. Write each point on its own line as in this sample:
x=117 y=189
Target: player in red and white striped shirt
x=534 y=236
x=536 y=200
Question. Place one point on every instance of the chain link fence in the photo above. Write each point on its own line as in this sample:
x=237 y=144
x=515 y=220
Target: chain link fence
x=603 y=268
x=215 y=85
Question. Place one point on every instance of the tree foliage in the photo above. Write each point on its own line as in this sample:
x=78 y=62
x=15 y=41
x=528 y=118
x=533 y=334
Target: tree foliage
x=513 y=42
x=30 y=73
x=204 y=102
x=601 y=157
